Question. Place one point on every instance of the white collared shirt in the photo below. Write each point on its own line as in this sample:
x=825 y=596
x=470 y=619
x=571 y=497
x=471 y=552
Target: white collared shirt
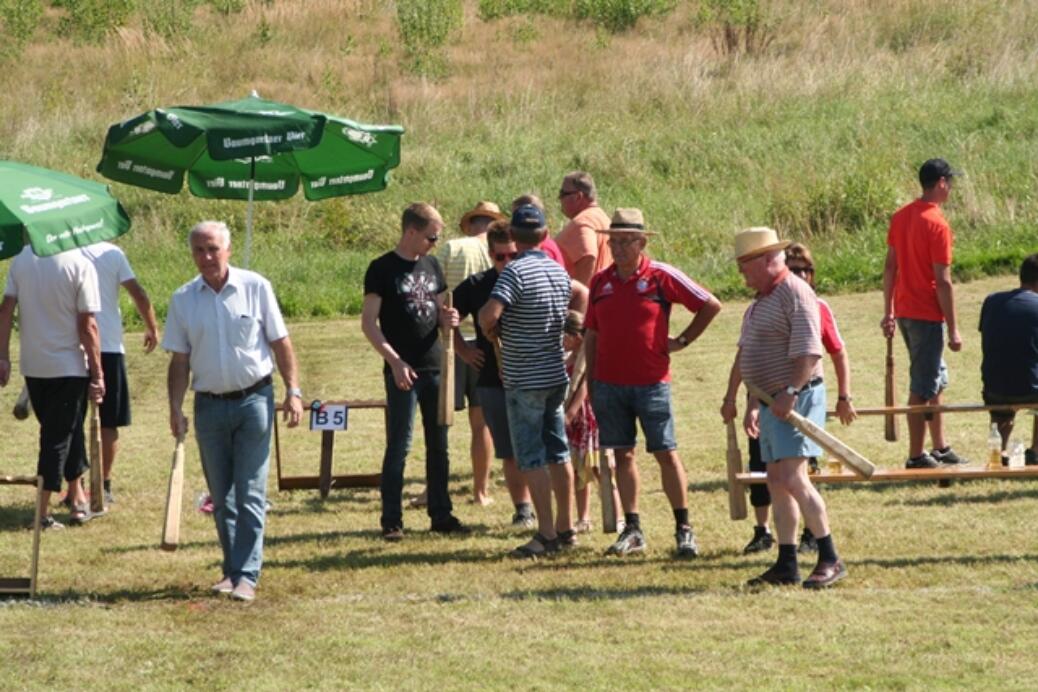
x=52 y=292
x=227 y=334
x=113 y=269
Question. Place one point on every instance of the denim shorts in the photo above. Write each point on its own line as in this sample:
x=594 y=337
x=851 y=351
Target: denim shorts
x=617 y=406
x=928 y=375
x=495 y=413
x=780 y=440
x=538 y=426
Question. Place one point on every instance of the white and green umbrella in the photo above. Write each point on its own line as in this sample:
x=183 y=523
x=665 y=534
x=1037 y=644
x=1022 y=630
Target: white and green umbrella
x=54 y=211
x=252 y=149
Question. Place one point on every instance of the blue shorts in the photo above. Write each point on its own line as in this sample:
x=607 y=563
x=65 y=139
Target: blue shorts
x=617 y=406
x=780 y=440
x=928 y=375
x=495 y=413
x=538 y=426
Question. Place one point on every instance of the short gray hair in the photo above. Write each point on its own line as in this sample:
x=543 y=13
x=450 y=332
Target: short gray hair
x=218 y=227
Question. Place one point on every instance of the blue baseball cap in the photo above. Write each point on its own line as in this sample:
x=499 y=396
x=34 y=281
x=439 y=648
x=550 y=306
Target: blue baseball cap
x=528 y=216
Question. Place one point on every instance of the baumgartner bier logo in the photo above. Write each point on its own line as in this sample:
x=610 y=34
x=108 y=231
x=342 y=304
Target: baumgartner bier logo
x=37 y=194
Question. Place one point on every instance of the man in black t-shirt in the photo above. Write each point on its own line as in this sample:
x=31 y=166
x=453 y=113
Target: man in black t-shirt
x=403 y=311
x=471 y=295
x=1009 y=341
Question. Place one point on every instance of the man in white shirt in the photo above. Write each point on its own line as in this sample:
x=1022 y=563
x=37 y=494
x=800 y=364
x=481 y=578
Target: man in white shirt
x=56 y=298
x=113 y=271
x=222 y=328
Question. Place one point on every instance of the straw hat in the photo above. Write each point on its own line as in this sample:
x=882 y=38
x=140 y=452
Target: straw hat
x=756 y=241
x=486 y=209
x=627 y=221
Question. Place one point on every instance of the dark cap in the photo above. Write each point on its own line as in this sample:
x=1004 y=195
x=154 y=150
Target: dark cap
x=935 y=169
x=528 y=216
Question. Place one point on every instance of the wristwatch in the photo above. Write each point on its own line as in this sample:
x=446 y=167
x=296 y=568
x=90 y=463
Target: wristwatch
x=791 y=390
x=295 y=391
x=682 y=339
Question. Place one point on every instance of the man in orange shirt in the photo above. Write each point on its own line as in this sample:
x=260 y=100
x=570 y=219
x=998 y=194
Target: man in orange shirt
x=583 y=241
x=918 y=298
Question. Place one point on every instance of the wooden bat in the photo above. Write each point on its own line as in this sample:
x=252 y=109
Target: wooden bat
x=606 y=490
x=97 y=474
x=174 y=496
x=828 y=442
x=22 y=406
x=890 y=420
x=445 y=412
x=736 y=492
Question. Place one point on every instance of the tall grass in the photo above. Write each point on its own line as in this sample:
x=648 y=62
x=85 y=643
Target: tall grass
x=819 y=133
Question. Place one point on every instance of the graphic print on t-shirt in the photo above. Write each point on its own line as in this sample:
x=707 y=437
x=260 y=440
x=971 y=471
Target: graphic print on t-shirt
x=417 y=290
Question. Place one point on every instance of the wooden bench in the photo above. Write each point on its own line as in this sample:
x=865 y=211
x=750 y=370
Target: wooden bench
x=738 y=480
x=325 y=480
x=26 y=586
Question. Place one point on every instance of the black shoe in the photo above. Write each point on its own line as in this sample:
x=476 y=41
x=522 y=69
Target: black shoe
x=567 y=539
x=947 y=456
x=450 y=525
x=808 y=542
x=923 y=461
x=776 y=576
x=760 y=542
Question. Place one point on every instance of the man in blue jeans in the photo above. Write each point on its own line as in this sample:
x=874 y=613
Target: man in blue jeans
x=223 y=328
x=528 y=308
x=401 y=316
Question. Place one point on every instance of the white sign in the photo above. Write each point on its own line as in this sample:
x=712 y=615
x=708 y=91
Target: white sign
x=329 y=417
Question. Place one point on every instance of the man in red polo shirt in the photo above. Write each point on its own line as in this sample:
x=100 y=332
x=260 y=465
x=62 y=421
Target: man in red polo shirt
x=628 y=355
x=918 y=298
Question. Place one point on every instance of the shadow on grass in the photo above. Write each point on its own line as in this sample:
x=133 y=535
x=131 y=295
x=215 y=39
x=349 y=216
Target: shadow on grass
x=376 y=558
x=950 y=499
x=16 y=518
x=268 y=540
x=708 y=486
x=968 y=560
x=581 y=594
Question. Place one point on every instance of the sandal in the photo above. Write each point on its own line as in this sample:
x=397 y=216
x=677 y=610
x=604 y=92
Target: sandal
x=539 y=546
x=567 y=539
x=79 y=515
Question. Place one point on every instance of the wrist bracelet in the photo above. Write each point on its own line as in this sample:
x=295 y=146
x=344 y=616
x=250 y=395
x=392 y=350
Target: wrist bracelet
x=844 y=398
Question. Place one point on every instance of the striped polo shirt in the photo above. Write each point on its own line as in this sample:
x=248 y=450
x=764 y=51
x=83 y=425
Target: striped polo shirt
x=536 y=293
x=780 y=326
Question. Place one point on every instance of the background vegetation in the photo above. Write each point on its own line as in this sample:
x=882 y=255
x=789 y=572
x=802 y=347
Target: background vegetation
x=709 y=114
x=941 y=592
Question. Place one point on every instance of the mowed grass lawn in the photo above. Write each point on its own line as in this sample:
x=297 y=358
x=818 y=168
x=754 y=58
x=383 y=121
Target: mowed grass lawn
x=942 y=589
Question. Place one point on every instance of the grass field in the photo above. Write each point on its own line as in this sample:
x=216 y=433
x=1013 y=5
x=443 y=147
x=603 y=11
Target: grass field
x=820 y=134
x=942 y=588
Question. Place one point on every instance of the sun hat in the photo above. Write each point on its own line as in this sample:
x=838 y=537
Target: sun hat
x=483 y=208
x=629 y=220
x=756 y=241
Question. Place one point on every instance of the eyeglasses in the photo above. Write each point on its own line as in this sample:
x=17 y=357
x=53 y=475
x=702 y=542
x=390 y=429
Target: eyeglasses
x=502 y=256
x=801 y=271
x=566 y=193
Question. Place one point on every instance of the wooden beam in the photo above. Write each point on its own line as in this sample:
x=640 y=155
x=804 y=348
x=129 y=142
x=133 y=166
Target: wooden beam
x=893 y=475
x=945 y=408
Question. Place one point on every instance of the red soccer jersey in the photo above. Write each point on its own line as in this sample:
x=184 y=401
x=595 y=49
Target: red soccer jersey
x=921 y=238
x=632 y=318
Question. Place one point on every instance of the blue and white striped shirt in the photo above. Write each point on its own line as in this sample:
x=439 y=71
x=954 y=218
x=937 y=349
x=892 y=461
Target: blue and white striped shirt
x=536 y=293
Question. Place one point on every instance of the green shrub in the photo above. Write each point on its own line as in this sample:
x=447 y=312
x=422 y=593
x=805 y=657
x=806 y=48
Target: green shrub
x=169 y=18
x=496 y=9
x=20 y=19
x=425 y=27
x=737 y=26
x=228 y=7
x=619 y=15
x=92 y=20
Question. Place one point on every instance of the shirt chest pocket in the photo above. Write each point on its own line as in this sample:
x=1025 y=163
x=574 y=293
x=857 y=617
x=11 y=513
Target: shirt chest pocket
x=245 y=331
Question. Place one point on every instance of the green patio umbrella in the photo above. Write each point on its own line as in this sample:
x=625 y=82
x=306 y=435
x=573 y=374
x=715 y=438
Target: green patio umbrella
x=57 y=211
x=250 y=149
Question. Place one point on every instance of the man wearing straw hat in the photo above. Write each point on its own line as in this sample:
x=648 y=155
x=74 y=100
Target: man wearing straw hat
x=460 y=258
x=780 y=351
x=628 y=355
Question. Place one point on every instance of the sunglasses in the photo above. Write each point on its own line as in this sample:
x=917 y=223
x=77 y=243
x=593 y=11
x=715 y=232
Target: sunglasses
x=502 y=256
x=800 y=271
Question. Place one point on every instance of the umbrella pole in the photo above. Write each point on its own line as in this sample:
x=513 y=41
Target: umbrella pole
x=248 y=212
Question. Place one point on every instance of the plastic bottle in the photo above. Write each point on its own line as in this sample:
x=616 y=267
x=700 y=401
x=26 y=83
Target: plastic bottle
x=1016 y=457
x=994 y=448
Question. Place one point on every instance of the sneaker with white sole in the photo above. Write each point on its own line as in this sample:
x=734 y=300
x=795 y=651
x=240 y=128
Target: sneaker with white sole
x=948 y=456
x=523 y=521
x=923 y=461
x=244 y=591
x=631 y=541
x=686 y=541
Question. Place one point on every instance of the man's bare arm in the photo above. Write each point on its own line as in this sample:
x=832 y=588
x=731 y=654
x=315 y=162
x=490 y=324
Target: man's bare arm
x=288 y=366
x=946 y=299
x=146 y=311
x=90 y=340
x=6 y=325
x=176 y=388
